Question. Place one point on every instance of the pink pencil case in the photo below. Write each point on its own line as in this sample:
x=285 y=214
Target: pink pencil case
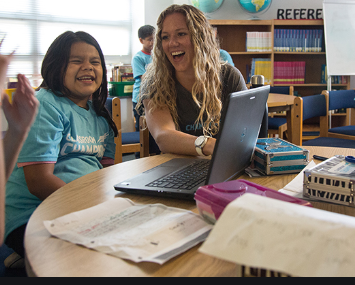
x=211 y=200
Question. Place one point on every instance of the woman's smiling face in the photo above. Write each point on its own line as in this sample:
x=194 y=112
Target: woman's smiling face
x=84 y=72
x=176 y=42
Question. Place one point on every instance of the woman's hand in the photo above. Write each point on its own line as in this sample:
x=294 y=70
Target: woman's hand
x=169 y=140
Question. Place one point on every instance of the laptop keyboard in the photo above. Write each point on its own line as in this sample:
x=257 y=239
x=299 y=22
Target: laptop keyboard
x=186 y=178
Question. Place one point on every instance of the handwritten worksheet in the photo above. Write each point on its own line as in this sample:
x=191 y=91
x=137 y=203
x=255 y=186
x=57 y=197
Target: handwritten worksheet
x=266 y=233
x=151 y=233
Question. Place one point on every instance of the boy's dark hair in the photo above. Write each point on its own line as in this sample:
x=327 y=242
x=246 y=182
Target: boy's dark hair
x=55 y=64
x=145 y=31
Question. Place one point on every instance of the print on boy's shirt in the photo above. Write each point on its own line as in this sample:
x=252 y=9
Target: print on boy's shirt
x=87 y=145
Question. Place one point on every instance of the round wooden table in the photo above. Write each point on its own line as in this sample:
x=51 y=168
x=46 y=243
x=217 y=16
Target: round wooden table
x=49 y=256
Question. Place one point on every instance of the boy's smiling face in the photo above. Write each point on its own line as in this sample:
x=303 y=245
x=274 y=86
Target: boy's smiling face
x=148 y=43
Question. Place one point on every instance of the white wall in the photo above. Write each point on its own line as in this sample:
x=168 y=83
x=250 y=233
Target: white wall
x=153 y=8
x=231 y=10
x=138 y=21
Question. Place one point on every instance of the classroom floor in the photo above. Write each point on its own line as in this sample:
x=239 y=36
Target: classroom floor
x=128 y=157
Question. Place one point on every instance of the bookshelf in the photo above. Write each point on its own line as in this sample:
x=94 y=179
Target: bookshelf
x=232 y=35
x=233 y=38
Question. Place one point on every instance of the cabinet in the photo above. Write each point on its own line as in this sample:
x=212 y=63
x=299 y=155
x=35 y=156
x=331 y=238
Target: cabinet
x=232 y=35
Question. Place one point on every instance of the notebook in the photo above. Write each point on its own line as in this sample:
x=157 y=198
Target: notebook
x=240 y=124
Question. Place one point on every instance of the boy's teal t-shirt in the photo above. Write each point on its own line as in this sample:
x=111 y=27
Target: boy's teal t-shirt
x=225 y=56
x=63 y=133
x=139 y=66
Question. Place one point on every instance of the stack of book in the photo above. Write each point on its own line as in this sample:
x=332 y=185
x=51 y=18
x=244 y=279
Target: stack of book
x=335 y=79
x=258 y=42
x=298 y=40
x=122 y=73
x=260 y=66
x=289 y=72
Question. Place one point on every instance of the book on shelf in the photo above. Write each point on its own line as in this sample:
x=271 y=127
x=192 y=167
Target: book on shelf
x=260 y=66
x=289 y=72
x=339 y=111
x=258 y=42
x=290 y=40
x=336 y=79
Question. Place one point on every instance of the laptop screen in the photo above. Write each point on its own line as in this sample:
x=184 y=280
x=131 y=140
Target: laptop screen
x=240 y=125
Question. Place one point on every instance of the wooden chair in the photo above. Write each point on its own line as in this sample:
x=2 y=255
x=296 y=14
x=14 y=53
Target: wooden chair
x=306 y=108
x=342 y=99
x=311 y=107
x=144 y=137
x=278 y=125
x=131 y=142
x=148 y=145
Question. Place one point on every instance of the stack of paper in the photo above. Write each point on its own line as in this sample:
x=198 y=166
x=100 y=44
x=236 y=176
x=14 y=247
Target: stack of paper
x=152 y=233
x=266 y=233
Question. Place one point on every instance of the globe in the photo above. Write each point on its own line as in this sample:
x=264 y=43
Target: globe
x=255 y=6
x=207 y=6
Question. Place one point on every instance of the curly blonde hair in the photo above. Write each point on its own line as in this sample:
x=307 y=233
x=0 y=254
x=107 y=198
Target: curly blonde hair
x=207 y=89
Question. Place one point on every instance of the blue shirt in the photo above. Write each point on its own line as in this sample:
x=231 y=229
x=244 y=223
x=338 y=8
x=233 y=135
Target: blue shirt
x=139 y=66
x=225 y=56
x=72 y=138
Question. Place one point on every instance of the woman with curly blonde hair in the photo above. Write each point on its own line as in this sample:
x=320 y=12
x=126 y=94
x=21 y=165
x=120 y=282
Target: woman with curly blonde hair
x=184 y=88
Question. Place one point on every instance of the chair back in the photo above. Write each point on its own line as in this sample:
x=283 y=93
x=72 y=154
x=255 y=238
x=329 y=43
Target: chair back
x=314 y=106
x=341 y=99
x=306 y=108
x=148 y=144
x=131 y=142
x=108 y=105
x=125 y=142
x=282 y=90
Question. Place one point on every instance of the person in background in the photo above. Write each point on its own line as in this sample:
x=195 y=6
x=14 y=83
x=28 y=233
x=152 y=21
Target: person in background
x=225 y=56
x=71 y=136
x=184 y=88
x=139 y=64
x=20 y=115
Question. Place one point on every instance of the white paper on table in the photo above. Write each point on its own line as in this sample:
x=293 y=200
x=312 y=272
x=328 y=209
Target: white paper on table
x=295 y=187
x=266 y=233
x=151 y=233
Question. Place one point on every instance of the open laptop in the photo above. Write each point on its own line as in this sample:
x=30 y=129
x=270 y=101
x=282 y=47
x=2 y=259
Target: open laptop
x=241 y=119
